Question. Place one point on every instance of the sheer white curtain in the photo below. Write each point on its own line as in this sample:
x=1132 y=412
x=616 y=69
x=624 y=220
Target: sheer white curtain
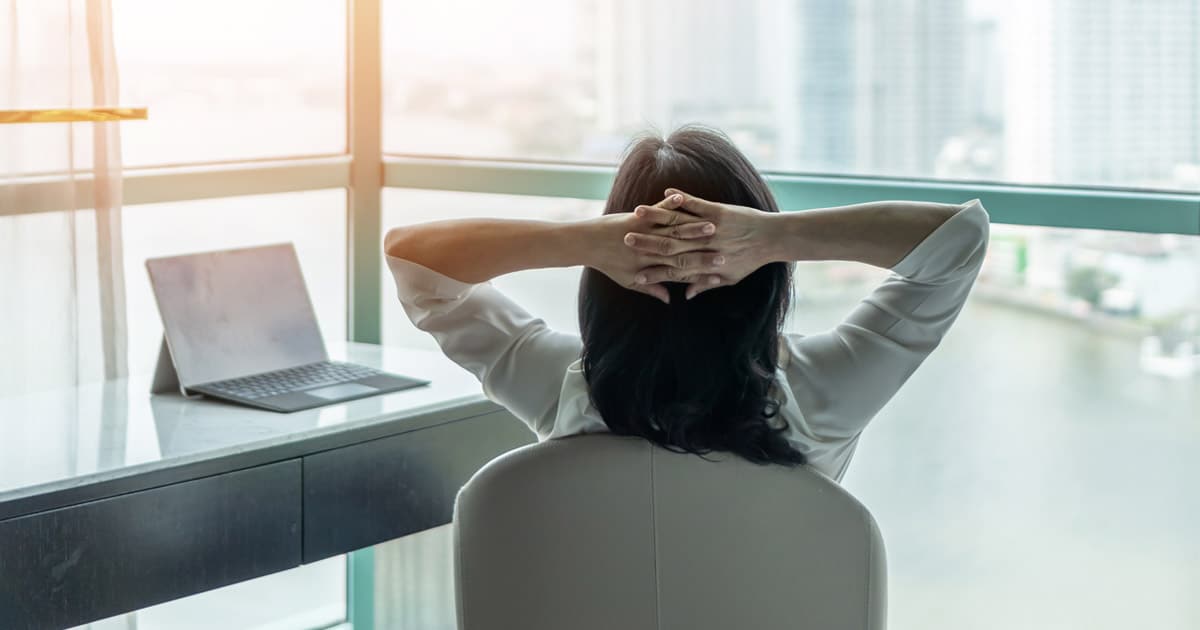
x=62 y=293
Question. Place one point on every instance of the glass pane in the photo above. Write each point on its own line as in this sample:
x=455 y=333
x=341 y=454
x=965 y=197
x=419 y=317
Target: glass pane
x=310 y=596
x=414 y=582
x=232 y=79
x=1064 y=92
x=1046 y=451
x=1044 y=454
x=314 y=221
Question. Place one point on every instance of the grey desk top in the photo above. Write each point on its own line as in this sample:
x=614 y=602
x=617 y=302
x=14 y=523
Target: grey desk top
x=68 y=446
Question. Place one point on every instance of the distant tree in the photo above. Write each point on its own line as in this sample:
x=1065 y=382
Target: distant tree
x=1089 y=283
x=1176 y=328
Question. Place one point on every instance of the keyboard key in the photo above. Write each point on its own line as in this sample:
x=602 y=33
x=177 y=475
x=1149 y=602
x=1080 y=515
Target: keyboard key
x=291 y=380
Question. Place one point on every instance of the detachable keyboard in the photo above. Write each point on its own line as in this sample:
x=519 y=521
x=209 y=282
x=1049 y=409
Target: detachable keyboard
x=307 y=386
x=291 y=379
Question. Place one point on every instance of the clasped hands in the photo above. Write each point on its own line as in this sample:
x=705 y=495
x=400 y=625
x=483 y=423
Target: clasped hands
x=683 y=239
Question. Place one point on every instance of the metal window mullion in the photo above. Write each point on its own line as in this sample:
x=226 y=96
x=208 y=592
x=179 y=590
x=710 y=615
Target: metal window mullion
x=364 y=227
x=49 y=193
x=364 y=134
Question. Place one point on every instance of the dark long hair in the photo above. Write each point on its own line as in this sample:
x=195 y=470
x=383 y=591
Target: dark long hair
x=696 y=375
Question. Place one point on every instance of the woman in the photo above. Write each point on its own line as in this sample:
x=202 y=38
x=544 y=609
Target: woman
x=682 y=303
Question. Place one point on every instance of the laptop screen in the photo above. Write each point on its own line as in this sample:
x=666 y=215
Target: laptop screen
x=235 y=313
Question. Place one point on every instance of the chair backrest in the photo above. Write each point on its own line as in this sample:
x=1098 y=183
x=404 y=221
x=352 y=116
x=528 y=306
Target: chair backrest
x=604 y=532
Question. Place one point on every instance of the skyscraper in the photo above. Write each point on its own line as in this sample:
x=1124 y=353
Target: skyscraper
x=1103 y=91
x=870 y=86
x=662 y=63
x=911 y=94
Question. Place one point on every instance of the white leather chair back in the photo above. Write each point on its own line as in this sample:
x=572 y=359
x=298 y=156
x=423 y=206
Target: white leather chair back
x=607 y=532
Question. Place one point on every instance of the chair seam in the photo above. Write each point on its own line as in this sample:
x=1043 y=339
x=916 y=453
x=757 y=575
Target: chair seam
x=457 y=541
x=872 y=529
x=654 y=541
x=870 y=576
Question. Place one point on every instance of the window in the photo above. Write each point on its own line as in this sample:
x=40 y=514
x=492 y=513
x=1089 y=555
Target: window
x=1044 y=454
x=1062 y=93
x=232 y=79
x=223 y=80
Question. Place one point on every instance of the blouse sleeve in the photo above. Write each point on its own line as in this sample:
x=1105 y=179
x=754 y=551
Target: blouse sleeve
x=519 y=360
x=841 y=378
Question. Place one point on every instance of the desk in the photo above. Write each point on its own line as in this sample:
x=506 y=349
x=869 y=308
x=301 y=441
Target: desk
x=112 y=499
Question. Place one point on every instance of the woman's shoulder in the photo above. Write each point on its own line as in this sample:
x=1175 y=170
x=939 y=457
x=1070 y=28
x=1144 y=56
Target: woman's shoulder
x=575 y=413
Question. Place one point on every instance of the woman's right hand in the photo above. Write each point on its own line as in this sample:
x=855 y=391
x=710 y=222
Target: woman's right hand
x=740 y=245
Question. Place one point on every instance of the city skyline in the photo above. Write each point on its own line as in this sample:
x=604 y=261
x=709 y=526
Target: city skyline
x=956 y=90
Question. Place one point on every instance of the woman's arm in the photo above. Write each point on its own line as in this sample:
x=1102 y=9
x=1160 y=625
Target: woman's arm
x=477 y=250
x=878 y=233
x=842 y=377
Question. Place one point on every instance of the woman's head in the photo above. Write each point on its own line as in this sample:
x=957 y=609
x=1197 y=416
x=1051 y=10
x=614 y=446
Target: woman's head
x=693 y=375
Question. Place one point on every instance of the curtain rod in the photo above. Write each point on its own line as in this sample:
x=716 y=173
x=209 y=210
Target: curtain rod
x=89 y=114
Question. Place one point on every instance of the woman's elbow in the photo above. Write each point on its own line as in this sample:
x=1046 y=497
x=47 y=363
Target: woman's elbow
x=396 y=242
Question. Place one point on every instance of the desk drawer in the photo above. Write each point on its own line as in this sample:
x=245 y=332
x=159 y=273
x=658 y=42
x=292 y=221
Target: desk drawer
x=86 y=562
x=365 y=494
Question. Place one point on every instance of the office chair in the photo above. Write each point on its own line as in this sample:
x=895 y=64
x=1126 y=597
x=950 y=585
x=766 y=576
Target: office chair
x=607 y=532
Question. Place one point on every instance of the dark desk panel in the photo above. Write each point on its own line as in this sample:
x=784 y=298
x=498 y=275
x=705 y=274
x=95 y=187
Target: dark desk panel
x=90 y=561
x=361 y=495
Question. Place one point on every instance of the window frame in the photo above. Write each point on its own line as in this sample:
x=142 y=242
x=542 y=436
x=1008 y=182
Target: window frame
x=1123 y=209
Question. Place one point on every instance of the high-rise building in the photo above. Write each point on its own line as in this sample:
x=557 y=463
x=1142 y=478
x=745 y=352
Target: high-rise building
x=911 y=96
x=871 y=86
x=662 y=63
x=816 y=82
x=1103 y=91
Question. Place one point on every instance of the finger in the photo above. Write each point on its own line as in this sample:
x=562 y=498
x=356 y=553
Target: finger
x=663 y=273
x=695 y=205
x=687 y=231
x=655 y=215
x=656 y=291
x=691 y=261
x=671 y=202
x=661 y=245
x=702 y=283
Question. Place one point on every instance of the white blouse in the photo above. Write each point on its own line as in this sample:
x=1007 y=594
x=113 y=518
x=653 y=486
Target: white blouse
x=831 y=384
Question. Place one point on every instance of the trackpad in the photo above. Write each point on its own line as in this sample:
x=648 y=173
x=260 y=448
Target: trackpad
x=344 y=390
